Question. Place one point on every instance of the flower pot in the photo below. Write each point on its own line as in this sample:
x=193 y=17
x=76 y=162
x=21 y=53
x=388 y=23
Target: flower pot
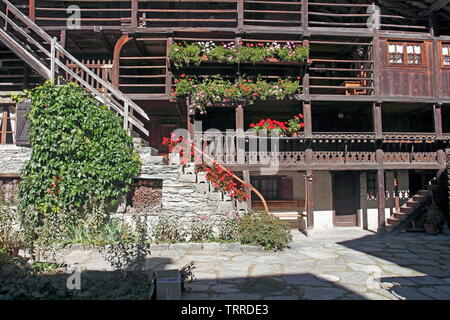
x=431 y=229
x=204 y=58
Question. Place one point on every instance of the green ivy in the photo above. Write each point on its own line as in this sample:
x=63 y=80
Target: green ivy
x=81 y=155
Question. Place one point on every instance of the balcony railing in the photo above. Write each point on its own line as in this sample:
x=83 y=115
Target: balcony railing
x=287 y=14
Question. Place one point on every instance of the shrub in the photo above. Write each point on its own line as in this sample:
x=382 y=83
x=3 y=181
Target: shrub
x=201 y=229
x=229 y=228
x=183 y=55
x=168 y=230
x=264 y=230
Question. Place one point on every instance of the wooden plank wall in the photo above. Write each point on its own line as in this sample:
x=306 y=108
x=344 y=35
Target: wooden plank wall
x=406 y=80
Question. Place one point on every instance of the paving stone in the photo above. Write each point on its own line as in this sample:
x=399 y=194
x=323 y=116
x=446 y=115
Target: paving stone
x=248 y=248
x=435 y=293
x=212 y=246
x=427 y=280
x=204 y=276
x=443 y=288
x=196 y=287
x=281 y=298
x=195 y=296
x=399 y=271
x=329 y=277
x=237 y=296
x=265 y=270
x=360 y=267
x=159 y=246
x=233 y=247
x=409 y=293
x=306 y=280
x=354 y=277
x=224 y=288
x=312 y=293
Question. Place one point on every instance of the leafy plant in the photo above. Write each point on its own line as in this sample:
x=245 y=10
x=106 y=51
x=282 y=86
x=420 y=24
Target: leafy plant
x=168 y=230
x=201 y=229
x=264 y=230
x=222 y=54
x=81 y=157
x=247 y=54
x=182 y=55
x=434 y=215
x=229 y=228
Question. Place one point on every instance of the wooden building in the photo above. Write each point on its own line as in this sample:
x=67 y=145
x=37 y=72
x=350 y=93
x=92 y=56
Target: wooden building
x=375 y=89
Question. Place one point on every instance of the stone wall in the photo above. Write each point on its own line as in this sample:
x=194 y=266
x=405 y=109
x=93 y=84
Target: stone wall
x=185 y=193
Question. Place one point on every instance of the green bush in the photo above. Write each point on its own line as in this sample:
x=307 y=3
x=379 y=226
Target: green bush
x=183 y=55
x=81 y=157
x=264 y=230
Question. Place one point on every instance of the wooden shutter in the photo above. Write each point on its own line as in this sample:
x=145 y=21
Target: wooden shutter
x=287 y=189
x=22 y=124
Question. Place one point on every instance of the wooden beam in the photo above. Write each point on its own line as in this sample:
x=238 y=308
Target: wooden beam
x=32 y=10
x=134 y=13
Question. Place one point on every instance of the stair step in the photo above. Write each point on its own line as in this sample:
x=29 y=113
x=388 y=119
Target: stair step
x=393 y=221
x=389 y=228
x=418 y=198
x=400 y=215
x=411 y=203
x=406 y=210
x=422 y=192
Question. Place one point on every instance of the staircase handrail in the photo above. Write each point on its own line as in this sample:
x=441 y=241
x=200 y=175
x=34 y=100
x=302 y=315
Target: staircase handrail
x=111 y=95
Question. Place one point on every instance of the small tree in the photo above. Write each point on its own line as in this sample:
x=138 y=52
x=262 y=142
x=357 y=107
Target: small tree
x=81 y=155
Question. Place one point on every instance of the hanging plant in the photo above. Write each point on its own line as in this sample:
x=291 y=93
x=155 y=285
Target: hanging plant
x=292 y=126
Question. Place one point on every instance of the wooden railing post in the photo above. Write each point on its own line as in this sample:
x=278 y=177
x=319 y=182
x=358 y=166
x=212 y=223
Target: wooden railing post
x=377 y=120
x=307 y=118
x=437 y=111
x=309 y=203
x=305 y=15
x=134 y=13
x=240 y=14
x=381 y=189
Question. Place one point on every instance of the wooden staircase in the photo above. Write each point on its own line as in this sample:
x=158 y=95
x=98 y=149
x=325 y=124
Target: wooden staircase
x=49 y=59
x=408 y=211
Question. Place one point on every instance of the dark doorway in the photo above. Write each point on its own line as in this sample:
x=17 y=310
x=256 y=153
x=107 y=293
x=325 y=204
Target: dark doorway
x=346 y=198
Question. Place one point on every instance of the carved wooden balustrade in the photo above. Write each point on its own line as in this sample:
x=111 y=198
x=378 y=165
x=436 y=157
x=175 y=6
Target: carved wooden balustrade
x=287 y=151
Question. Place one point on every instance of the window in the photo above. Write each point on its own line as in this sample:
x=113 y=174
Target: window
x=402 y=53
x=270 y=188
x=7 y=124
x=446 y=55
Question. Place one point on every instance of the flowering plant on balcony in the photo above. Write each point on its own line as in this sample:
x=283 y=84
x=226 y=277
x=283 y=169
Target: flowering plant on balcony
x=183 y=54
x=221 y=178
x=292 y=126
x=217 y=91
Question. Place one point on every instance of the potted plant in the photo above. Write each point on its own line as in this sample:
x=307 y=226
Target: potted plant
x=295 y=125
x=433 y=220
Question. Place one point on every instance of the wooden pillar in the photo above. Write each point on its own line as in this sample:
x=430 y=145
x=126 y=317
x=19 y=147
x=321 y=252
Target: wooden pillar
x=377 y=120
x=305 y=15
x=396 y=193
x=309 y=201
x=169 y=76
x=116 y=59
x=381 y=189
x=240 y=138
x=246 y=176
x=307 y=119
x=32 y=10
x=134 y=13
x=437 y=111
x=240 y=14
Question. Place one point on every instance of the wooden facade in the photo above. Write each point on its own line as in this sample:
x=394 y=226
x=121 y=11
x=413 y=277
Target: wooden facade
x=375 y=58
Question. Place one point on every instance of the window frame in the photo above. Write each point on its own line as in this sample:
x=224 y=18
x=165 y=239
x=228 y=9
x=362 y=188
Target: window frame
x=263 y=192
x=441 y=55
x=405 y=54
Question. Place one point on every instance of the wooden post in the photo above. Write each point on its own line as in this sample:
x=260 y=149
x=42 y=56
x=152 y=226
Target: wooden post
x=246 y=175
x=240 y=14
x=32 y=10
x=169 y=75
x=134 y=13
x=381 y=189
x=309 y=202
x=396 y=193
x=307 y=119
x=377 y=120
x=437 y=111
x=305 y=15
x=240 y=139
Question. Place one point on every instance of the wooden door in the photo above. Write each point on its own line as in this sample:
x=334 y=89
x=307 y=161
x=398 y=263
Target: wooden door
x=346 y=198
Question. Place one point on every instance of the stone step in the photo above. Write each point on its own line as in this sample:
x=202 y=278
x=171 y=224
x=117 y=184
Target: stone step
x=418 y=198
x=393 y=221
x=422 y=192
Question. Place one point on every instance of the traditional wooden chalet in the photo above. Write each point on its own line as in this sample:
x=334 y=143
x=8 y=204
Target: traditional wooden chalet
x=374 y=90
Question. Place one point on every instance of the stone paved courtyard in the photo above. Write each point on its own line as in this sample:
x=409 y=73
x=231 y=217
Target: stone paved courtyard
x=326 y=265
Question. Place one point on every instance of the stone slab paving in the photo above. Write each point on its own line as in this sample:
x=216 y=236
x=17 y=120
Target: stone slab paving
x=341 y=264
